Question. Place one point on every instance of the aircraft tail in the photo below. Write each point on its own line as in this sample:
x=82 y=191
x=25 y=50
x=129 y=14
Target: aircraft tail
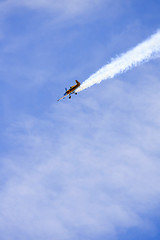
x=78 y=83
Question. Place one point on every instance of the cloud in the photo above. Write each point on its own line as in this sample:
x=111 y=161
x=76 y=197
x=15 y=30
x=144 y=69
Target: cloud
x=90 y=167
x=72 y=8
x=83 y=169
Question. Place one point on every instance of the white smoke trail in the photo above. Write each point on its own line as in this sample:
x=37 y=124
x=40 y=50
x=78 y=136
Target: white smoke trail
x=141 y=53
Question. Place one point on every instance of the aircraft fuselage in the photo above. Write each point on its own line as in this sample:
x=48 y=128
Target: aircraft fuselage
x=72 y=89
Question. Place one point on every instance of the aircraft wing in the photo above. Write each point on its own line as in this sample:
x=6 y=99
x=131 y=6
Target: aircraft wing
x=62 y=97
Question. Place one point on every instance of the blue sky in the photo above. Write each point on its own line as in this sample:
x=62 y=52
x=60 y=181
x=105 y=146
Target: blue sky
x=86 y=168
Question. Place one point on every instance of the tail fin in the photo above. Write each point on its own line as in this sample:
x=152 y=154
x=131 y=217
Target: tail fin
x=66 y=89
x=78 y=83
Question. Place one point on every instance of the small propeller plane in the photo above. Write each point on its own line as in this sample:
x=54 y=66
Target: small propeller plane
x=71 y=90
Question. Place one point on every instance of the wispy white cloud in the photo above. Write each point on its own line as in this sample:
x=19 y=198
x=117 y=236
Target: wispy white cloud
x=74 y=7
x=90 y=167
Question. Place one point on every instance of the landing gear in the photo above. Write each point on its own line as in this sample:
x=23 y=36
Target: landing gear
x=76 y=93
x=69 y=97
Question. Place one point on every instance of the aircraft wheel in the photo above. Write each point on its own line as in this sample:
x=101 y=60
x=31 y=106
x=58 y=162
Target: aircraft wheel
x=76 y=93
x=69 y=97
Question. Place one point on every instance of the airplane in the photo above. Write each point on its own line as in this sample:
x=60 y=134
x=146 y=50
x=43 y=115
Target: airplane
x=71 y=90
